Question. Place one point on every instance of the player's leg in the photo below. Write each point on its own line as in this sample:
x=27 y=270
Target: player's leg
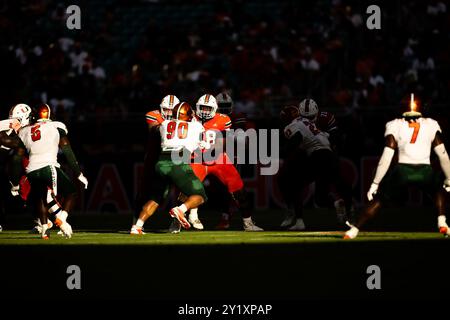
x=432 y=186
x=65 y=188
x=440 y=201
x=390 y=188
x=291 y=171
x=188 y=183
x=229 y=176
x=200 y=171
x=37 y=199
x=325 y=166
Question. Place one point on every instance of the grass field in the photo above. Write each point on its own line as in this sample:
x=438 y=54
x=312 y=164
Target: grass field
x=228 y=265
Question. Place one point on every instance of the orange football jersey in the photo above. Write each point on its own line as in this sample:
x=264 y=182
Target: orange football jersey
x=219 y=122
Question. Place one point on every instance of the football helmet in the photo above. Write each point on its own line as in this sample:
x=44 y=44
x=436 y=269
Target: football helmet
x=288 y=114
x=308 y=109
x=167 y=105
x=21 y=112
x=206 y=107
x=225 y=103
x=183 y=111
x=43 y=112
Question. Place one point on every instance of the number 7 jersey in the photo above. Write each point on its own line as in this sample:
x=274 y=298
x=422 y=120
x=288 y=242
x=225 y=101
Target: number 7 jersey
x=414 y=139
x=42 y=143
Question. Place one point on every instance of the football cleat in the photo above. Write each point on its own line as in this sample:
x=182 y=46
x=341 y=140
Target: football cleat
x=66 y=230
x=298 y=226
x=175 y=226
x=45 y=232
x=224 y=222
x=442 y=226
x=352 y=233
x=37 y=229
x=289 y=220
x=249 y=225
x=196 y=223
x=136 y=230
x=179 y=215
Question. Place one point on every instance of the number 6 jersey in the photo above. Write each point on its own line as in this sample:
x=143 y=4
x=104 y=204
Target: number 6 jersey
x=414 y=139
x=42 y=143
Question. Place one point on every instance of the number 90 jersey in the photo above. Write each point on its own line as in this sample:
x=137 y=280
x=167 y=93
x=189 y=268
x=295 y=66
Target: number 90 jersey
x=312 y=138
x=177 y=134
x=414 y=138
x=42 y=143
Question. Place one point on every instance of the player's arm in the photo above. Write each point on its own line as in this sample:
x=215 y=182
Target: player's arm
x=66 y=148
x=383 y=164
x=441 y=152
x=16 y=168
x=11 y=141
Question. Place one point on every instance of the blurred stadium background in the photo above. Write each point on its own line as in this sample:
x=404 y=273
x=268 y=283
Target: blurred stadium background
x=129 y=54
x=102 y=79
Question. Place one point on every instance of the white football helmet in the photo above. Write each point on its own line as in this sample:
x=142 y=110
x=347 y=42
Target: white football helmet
x=308 y=109
x=21 y=112
x=206 y=107
x=225 y=103
x=167 y=104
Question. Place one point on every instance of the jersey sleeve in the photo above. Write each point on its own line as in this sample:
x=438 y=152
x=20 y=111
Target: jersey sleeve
x=291 y=130
x=392 y=129
x=153 y=117
x=226 y=122
x=61 y=127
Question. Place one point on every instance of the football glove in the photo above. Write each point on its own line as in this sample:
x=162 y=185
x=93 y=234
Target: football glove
x=372 y=191
x=14 y=190
x=447 y=185
x=83 y=180
x=204 y=145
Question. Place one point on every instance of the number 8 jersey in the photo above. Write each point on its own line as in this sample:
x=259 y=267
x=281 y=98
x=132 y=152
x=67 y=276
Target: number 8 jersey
x=42 y=143
x=178 y=134
x=414 y=138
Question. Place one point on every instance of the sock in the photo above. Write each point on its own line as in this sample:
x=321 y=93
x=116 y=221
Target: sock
x=193 y=215
x=247 y=220
x=139 y=223
x=62 y=215
x=441 y=221
x=183 y=208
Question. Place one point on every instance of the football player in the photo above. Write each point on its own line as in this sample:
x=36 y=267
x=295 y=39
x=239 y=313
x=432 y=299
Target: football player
x=154 y=119
x=179 y=136
x=223 y=169
x=7 y=142
x=303 y=135
x=42 y=141
x=325 y=122
x=412 y=137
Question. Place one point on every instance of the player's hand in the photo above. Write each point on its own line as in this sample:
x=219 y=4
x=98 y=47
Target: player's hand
x=447 y=185
x=83 y=180
x=204 y=145
x=372 y=191
x=14 y=190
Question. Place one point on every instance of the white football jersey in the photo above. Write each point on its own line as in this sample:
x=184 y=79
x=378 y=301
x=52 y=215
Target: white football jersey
x=42 y=142
x=312 y=138
x=176 y=135
x=414 y=139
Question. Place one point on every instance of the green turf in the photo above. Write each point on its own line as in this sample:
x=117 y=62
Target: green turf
x=206 y=238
